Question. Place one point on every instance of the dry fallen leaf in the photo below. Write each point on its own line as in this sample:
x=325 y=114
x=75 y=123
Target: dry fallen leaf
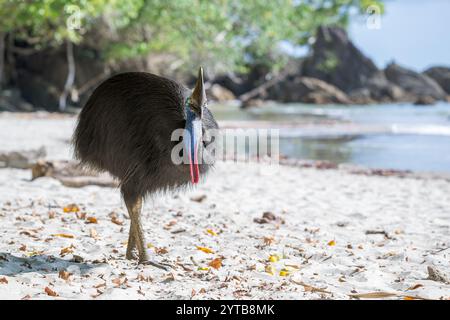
x=50 y=292
x=64 y=275
x=211 y=232
x=4 y=280
x=119 y=281
x=93 y=233
x=65 y=251
x=203 y=269
x=205 y=250
x=270 y=269
x=71 y=208
x=91 y=220
x=216 y=263
x=332 y=243
x=63 y=235
x=199 y=198
x=268 y=240
x=414 y=287
x=161 y=250
x=374 y=295
x=116 y=220
x=274 y=258
x=284 y=273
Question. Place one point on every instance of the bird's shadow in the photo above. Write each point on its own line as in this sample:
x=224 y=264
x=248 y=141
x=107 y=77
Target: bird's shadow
x=11 y=265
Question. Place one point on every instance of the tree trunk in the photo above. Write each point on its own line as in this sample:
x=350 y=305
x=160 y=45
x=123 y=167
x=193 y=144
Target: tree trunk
x=2 y=57
x=70 y=76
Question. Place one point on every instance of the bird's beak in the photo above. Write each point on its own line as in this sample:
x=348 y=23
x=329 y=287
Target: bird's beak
x=193 y=140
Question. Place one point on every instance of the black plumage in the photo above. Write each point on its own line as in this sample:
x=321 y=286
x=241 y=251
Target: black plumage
x=125 y=129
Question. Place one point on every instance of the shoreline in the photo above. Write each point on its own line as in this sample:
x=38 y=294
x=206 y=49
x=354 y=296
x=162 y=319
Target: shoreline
x=302 y=232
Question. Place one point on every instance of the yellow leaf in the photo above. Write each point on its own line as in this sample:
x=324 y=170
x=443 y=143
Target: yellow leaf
x=202 y=269
x=205 y=250
x=284 y=273
x=63 y=235
x=149 y=245
x=71 y=208
x=211 y=232
x=274 y=258
x=332 y=243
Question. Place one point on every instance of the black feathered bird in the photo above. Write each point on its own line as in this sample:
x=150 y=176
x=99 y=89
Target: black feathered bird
x=125 y=128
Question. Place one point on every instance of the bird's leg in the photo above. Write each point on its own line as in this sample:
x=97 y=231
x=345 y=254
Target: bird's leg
x=136 y=236
x=131 y=241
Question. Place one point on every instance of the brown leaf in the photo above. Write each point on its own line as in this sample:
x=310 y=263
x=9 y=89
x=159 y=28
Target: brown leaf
x=199 y=198
x=161 y=250
x=374 y=295
x=4 y=280
x=50 y=292
x=91 y=220
x=65 y=251
x=268 y=240
x=63 y=235
x=416 y=286
x=216 y=263
x=64 y=275
x=116 y=220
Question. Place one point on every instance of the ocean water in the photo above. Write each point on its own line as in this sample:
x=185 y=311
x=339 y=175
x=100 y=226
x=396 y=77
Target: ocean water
x=404 y=137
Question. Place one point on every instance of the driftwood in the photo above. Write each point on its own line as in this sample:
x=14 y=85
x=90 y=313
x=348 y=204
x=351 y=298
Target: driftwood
x=21 y=159
x=71 y=174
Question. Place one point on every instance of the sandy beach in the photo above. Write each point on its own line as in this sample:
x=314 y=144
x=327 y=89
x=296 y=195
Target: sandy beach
x=334 y=235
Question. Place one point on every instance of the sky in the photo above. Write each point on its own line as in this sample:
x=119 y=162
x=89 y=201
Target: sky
x=413 y=33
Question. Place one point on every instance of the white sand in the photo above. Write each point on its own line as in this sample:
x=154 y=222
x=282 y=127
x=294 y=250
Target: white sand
x=318 y=206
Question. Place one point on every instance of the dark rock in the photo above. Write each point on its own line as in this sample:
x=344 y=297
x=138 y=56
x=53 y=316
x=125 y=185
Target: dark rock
x=307 y=90
x=253 y=103
x=11 y=100
x=441 y=75
x=425 y=101
x=414 y=83
x=336 y=60
x=41 y=76
x=219 y=93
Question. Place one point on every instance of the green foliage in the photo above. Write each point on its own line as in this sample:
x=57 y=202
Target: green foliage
x=225 y=35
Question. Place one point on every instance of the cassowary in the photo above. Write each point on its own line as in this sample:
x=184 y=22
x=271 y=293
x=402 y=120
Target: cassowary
x=125 y=128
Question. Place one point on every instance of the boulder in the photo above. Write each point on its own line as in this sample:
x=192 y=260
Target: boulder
x=413 y=83
x=307 y=90
x=219 y=93
x=441 y=75
x=425 y=101
x=336 y=60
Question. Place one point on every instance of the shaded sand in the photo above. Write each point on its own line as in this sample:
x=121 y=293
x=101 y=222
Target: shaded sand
x=331 y=244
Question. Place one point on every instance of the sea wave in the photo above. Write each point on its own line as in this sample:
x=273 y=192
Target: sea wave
x=339 y=131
